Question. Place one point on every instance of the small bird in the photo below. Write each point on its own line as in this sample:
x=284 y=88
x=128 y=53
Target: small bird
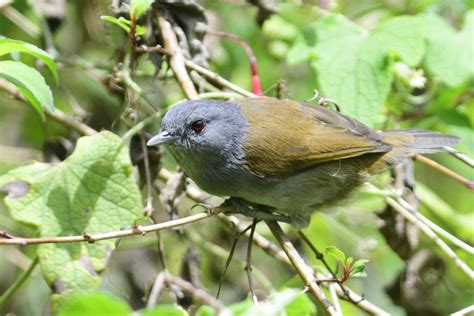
x=292 y=157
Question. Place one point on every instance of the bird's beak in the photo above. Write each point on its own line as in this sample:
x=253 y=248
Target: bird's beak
x=162 y=138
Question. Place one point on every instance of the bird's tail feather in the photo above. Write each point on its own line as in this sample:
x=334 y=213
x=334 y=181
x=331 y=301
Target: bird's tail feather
x=411 y=141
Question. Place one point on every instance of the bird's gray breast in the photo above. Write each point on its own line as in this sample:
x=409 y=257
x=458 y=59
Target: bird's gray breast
x=216 y=172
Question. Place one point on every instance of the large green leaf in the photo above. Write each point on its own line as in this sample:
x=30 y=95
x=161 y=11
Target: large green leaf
x=30 y=83
x=9 y=45
x=450 y=54
x=353 y=66
x=92 y=191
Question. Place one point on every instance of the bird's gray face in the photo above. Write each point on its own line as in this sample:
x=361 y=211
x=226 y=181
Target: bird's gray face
x=210 y=127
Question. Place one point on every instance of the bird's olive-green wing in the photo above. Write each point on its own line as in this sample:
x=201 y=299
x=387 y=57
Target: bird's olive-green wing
x=285 y=136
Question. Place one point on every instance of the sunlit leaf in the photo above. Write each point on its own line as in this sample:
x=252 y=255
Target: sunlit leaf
x=92 y=191
x=336 y=253
x=122 y=22
x=139 y=7
x=9 y=45
x=358 y=269
x=30 y=83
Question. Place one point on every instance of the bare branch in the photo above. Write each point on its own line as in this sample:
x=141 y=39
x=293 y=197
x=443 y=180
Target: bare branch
x=453 y=175
x=138 y=230
x=176 y=60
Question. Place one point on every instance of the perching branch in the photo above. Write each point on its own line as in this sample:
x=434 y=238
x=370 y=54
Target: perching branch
x=137 y=230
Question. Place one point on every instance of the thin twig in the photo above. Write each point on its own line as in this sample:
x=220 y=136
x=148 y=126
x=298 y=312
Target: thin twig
x=305 y=272
x=388 y=193
x=138 y=230
x=428 y=232
x=170 y=43
x=218 y=251
x=18 y=283
x=275 y=252
x=453 y=175
x=198 y=294
x=320 y=256
x=218 y=79
x=468 y=161
x=456 y=241
x=21 y=21
x=156 y=290
x=256 y=85
x=210 y=75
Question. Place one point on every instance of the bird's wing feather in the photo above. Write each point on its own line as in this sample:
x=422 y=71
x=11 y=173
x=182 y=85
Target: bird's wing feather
x=297 y=136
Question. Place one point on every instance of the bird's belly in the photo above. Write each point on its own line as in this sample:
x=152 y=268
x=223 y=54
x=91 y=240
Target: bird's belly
x=306 y=190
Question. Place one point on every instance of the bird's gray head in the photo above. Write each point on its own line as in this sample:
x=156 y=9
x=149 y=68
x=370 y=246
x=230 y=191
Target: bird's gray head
x=202 y=126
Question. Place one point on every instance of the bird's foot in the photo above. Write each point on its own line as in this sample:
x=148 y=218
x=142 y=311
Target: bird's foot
x=260 y=212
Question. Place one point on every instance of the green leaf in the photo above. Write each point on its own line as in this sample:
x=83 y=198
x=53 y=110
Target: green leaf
x=92 y=191
x=140 y=30
x=289 y=302
x=205 y=310
x=8 y=46
x=450 y=54
x=165 y=310
x=358 y=269
x=336 y=253
x=30 y=83
x=354 y=66
x=94 y=303
x=138 y=7
x=122 y=22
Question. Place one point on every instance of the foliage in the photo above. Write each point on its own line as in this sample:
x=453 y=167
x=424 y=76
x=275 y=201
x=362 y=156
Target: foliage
x=29 y=81
x=92 y=191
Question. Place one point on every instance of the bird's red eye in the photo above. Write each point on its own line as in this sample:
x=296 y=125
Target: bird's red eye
x=198 y=126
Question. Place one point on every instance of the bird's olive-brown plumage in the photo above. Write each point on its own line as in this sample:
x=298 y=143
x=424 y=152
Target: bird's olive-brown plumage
x=291 y=156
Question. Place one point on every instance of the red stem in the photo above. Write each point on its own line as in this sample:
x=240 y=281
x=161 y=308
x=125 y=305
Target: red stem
x=256 y=85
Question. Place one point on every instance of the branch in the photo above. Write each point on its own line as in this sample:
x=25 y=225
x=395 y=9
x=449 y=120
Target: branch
x=210 y=75
x=305 y=272
x=198 y=294
x=453 y=175
x=137 y=230
x=428 y=232
x=170 y=43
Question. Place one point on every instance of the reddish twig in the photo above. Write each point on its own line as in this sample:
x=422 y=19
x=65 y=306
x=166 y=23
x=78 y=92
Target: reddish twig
x=453 y=175
x=256 y=84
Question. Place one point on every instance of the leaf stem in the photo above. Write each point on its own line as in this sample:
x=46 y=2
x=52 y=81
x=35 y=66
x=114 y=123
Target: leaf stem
x=18 y=283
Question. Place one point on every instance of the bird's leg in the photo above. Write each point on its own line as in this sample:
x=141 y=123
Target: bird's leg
x=248 y=265
x=242 y=207
x=231 y=254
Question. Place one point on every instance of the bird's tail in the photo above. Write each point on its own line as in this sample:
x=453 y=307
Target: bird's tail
x=411 y=141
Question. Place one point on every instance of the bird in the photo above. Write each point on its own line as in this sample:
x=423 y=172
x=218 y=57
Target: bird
x=288 y=157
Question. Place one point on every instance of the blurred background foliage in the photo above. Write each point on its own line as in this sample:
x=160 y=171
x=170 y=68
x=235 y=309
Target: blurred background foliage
x=432 y=91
